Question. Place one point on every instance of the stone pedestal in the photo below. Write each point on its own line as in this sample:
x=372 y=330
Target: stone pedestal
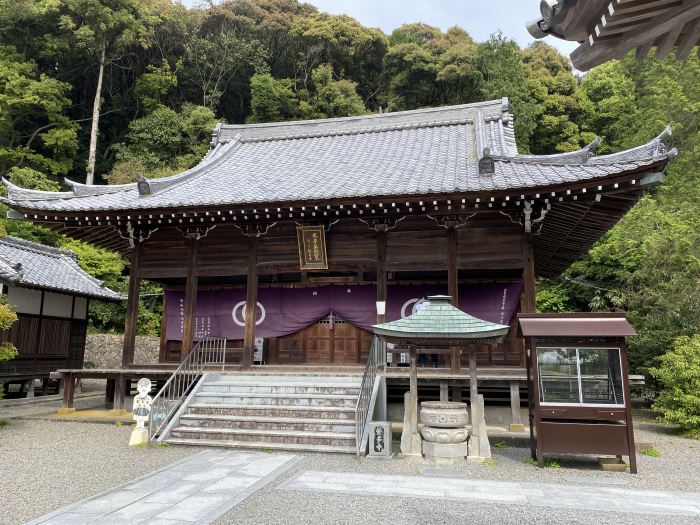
x=410 y=439
x=445 y=452
x=479 y=446
x=444 y=432
x=139 y=436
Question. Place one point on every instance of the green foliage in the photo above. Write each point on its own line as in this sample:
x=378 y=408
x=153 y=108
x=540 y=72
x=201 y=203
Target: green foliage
x=427 y=67
x=679 y=376
x=530 y=461
x=500 y=444
x=164 y=140
x=326 y=97
x=505 y=75
x=35 y=132
x=558 y=100
x=154 y=86
x=652 y=452
x=490 y=462
x=551 y=463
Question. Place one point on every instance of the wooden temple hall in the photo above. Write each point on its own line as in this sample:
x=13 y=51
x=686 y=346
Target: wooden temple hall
x=291 y=240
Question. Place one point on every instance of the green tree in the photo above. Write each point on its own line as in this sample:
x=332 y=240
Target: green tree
x=558 y=100
x=612 y=109
x=427 y=67
x=275 y=100
x=354 y=52
x=679 y=375
x=500 y=61
x=104 y=29
x=35 y=131
x=163 y=142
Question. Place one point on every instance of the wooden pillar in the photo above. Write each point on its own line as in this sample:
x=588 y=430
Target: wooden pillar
x=516 y=424
x=132 y=308
x=68 y=391
x=628 y=409
x=191 y=287
x=453 y=289
x=452 y=272
x=251 y=303
x=528 y=304
x=109 y=394
x=473 y=391
x=119 y=392
x=381 y=270
x=413 y=388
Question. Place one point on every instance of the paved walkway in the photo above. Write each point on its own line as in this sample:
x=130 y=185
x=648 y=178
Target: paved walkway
x=519 y=493
x=196 y=490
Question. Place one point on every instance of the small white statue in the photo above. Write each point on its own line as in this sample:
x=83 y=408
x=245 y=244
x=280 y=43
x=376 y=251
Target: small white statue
x=142 y=411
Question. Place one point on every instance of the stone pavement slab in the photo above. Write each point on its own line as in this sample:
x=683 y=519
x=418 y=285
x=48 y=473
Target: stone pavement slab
x=503 y=492
x=197 y=489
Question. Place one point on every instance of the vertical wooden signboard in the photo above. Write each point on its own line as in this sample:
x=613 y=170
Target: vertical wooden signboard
x=312 y=248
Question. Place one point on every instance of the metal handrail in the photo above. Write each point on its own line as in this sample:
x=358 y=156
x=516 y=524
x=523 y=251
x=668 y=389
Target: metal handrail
x=207 y=352
x=365 y=397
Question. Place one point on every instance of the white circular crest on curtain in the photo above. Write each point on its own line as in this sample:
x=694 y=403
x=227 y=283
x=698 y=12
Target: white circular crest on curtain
x=234 y=313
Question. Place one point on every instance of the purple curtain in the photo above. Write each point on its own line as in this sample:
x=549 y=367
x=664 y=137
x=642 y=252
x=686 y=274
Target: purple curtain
x=283 y=311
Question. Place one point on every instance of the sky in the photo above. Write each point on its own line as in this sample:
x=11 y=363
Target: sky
x=480 y=18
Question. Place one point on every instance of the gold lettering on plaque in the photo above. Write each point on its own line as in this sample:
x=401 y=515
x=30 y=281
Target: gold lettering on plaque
x=312 y=248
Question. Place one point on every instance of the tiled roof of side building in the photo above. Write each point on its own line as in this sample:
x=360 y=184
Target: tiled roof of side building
x=33 y=265
x=411 y=153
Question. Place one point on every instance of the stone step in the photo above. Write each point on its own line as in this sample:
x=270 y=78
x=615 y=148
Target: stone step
x=269 y=423
x=278 y=379
x=261 y=445
x=282 y=388
x=230 y=409
x=264 y=398
x=265 y=436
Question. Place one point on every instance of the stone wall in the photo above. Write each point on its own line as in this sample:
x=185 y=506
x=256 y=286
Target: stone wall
x=105 y=350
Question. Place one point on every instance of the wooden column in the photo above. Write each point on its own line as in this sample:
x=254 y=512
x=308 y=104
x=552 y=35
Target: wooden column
x=473 y=390
x=132 y=308
x=251 y=303
x=527 y=304
x=453 y=289
x=413 y=388
x=68 y=391
x=190 y=296
x=628 y=408
x=452 y=272
x=381 y=269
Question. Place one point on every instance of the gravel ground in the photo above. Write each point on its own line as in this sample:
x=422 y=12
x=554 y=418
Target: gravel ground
x=677 y=469
x=45 y=465
x=52 y=464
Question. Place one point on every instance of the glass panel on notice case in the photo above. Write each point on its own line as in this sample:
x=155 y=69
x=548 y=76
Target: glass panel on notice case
x=601 y=376
x=558 y=375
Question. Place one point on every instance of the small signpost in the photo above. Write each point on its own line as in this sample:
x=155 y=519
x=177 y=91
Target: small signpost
x=312 y=248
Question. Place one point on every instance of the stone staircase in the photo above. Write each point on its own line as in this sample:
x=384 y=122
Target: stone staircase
x=281 y=412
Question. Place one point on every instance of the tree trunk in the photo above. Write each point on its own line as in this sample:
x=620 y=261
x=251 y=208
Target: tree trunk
x=90 y=177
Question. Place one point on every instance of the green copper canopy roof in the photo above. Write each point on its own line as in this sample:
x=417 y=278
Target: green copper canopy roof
x=440 y=321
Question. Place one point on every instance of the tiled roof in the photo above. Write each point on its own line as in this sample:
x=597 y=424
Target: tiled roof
x=33 y=265
x=440 y=320
x=410 y=153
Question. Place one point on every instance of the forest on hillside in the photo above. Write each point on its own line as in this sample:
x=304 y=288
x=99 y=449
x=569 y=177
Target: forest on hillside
x=104 y=89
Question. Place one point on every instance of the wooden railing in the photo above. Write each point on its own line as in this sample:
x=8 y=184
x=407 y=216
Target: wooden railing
x=210 y=351
x=364 y=400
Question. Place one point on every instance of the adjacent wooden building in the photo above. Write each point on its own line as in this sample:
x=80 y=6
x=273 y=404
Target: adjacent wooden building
x=404 y=205
x=50 y=294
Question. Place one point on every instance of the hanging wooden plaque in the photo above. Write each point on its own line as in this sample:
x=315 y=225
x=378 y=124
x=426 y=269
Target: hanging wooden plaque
x=312 y=248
